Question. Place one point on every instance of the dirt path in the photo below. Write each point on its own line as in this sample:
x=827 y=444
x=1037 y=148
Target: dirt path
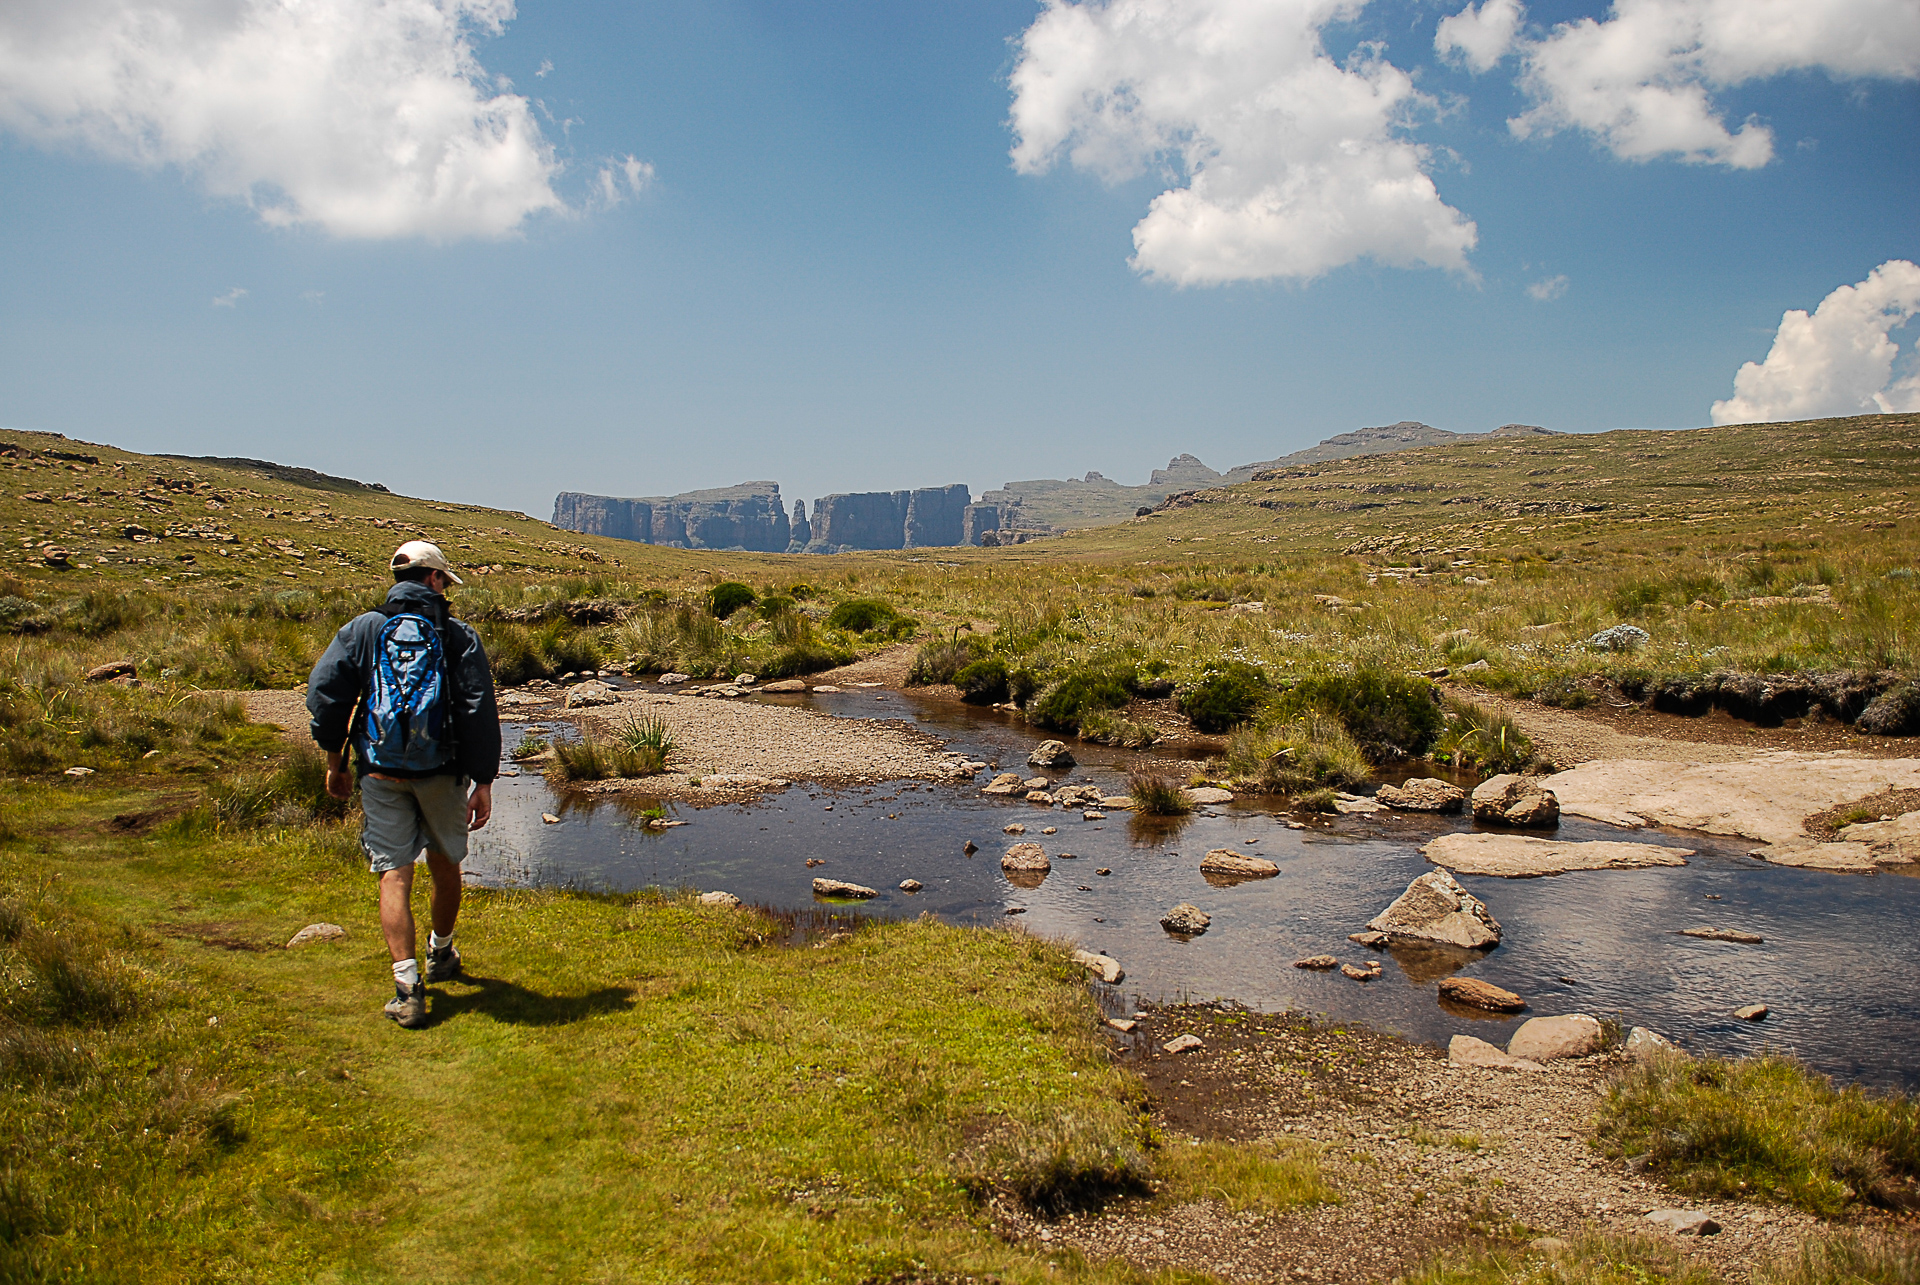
x=1423 y=1153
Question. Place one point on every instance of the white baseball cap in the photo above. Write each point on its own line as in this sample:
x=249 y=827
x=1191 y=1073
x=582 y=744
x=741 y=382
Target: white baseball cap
x=422 y=553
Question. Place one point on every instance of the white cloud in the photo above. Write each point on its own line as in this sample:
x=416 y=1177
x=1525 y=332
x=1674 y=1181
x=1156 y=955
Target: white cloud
x=618 y=180
x=1548 y=289
x=230 y=298
x=1293 y=164
x=368 y=118
x=1642 y=81
x=1839 y=361
x=1480 y=36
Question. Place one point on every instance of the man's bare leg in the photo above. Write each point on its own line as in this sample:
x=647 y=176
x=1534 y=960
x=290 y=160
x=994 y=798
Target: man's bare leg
x=446 y=892
x=396 y=911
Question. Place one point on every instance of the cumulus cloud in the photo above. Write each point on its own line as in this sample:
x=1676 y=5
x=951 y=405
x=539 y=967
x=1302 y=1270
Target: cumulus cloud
x=368 y=118
x=1548 y=289
x=619 y=180
x=1479 y=36
x=1839 y=361
x=1292 y=164
x=231 y=298
x=1642 y=81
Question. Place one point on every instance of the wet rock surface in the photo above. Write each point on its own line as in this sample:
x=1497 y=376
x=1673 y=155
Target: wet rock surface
x=1516 y=800
x=1436 y=908
x=1474 y=993
x=1423 y=794
x=1518 y=856
x=1544 y=1039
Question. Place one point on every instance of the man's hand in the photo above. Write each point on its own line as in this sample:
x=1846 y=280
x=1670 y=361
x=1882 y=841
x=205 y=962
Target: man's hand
x=480 y=805
x=339 y=780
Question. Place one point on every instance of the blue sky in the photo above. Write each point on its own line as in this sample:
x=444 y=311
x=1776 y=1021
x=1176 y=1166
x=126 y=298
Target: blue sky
x=835 y=277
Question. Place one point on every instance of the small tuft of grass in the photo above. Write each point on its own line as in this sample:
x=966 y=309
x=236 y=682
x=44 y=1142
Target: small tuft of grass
x=1849 y=1258
x=1587 y=1260
x=1764 y=1126
x=1155 y=795
x=1320 y=800
x=594 y=758
x=532 y=747
x=1105 y=727
x=1476 y=737
x=1057 y=1163
x=1242 y=1176
x=646 y=736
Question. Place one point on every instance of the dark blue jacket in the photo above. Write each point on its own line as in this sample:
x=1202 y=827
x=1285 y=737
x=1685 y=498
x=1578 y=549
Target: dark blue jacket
x=341 y=678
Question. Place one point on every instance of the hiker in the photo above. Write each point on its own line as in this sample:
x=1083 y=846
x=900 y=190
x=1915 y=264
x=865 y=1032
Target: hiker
x=410 y=685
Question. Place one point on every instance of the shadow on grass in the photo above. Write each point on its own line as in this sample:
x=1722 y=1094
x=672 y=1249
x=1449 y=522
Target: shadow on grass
x=510 y=1002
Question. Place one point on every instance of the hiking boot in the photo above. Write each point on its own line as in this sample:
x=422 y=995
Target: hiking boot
x=408 y=1005
x=443 y=965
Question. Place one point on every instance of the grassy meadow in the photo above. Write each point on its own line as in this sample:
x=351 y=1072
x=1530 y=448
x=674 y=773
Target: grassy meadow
x=636 y=1088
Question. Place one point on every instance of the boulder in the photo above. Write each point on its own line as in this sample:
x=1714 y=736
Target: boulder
x=828 y=688
x=112 y=669
x=1367 y=973
x=1319 y=963
x=591 y=693
x=1684 y=1222
x=841 y=888
x=1204 y=794
x=786 y=685
x=1724 y=934
x=1051 y=754
x=1752 y=1012
x=1037 y=783
x=1236 y=865
x=1465 y=1050
x=1007 y=783
x=1025 y=856
x=911 y=885
x=1475 y=993
x=1519 y=856
x=1516 y=800
x=1105 y=967
x=1369 y=938
x=1040 y=796
x=1422 y=794
x=1183 y=1044
x=670 y=679
x=316 y=932
x=718 y=898
x=1013 y=828
x=1186 y=919
x=1643 y=1045
x=1435 y=908
x=1545 y=1038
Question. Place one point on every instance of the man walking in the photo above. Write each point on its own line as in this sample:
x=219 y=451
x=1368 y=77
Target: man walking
x=410 y=686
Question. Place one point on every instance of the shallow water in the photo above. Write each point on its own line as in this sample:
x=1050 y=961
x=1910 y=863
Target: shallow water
x=1840 y=967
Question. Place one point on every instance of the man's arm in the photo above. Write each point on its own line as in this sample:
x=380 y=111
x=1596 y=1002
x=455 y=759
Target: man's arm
x=333 y=689
x=476 y=714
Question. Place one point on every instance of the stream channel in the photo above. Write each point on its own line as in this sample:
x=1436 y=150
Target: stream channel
x=1839 y=967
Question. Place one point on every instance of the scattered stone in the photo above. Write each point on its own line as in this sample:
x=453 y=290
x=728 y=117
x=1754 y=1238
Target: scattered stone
x=827 y=688
x=1006 y=783
x=112 y=669
x=969 y=847
x=1319 y=962
x=1545 y=1038
x=1015 y=828
x=1354 y=805
x=1684 y=1222
x=1125 y=1025
x=718 y=898
x=1751 y=1012
x=1051 y=754
x=1116 y=802
x=786 y=685
x=78 y=771
x=1238 y=865
x=1105 y=967
x=1052 y=829
x=1516 y=800
x=316 y=932
x=1422 y=794
x=1183 y=1044
x=1519 y=856
x=911 y=885
x=841 y=888
x=1037 y=783
x=1186 y=919
x=1435 y=908
x=1016 y=910
x=1039 y=796
x=1104 y=870
x=1724 y=934
x=1475 y=993
x=1369 y=938
x=1465 y=1050
x=1361 y=974
x=1476 y=666
x=592 y=693
x=550 y=818
x=1206 y=794
x=670 y=679
x=1025 y=856
x=1093 y=816
x=746 y=680
x=1643 y=1045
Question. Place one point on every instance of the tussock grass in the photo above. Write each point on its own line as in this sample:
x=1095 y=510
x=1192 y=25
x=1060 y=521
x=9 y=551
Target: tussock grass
x=1263 y=1177
x=1764 y=1126
x=1849 y=1258
x=1154 y=795
x=1587 y=1260
x=1476 y=737
x=598 y=758
x=1060 y=1161
x=1310 y=751
x=1105 y=727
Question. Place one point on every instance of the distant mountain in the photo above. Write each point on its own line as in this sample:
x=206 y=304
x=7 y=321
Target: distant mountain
x=1405 y=435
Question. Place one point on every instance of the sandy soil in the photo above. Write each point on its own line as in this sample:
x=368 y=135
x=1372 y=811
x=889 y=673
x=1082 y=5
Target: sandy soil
x=1424 y=1154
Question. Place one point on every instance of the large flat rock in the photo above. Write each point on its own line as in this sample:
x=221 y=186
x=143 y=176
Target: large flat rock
x=1764 y=797
x=1516 y=856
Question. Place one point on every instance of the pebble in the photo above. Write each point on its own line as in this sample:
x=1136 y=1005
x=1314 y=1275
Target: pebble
x=1183 y=1044
x=911 y=885
x=550 y=818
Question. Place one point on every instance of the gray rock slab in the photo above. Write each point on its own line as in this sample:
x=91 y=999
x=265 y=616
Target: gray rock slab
x=1465 y=1050
x=1436 y=908
x=1543 y=1039
x=1519 y=856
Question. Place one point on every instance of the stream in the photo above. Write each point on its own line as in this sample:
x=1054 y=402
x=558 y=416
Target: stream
x=1839 y=968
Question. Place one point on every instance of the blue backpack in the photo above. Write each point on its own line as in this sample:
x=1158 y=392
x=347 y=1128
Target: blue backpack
x=407 y=724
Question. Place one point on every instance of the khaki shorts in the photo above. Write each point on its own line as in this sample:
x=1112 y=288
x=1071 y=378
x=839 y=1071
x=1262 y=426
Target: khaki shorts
x=405 y=817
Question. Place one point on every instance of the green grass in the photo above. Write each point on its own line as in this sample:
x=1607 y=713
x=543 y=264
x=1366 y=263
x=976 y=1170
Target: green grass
x=598 y=758
x=1155 y=796
x=1849 y=1258
x=1765 y=1127
x=1267 y=1178
x=1587 y=1260
x=626 y=1087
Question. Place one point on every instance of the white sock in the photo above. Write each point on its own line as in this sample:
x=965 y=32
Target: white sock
x=406 y=972
x=436 y=942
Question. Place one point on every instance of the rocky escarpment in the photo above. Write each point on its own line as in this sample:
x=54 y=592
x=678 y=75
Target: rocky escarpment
x=748 y=516
x=933 y=517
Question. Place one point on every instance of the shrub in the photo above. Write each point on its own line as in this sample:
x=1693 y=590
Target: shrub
x=1224 y=698
x=21 y=616
x=1320 y=800
x=1312 y=750
x=984 y=682
x=805 y=658
x=1476 y=737
x=862 y=615
x=1156 y=796
x=1764 y=1126
x=941 y=660
x=1390 y=715
x=773 y=604
x=1104 y=727
x=728 y=597
x=1021 y=685
x=1061 y=707
x=519 y=653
